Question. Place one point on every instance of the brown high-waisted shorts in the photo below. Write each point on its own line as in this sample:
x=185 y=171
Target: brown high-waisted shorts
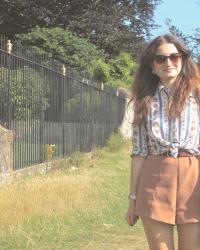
x=169 y=189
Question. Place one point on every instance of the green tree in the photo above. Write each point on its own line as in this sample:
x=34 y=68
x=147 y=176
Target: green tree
x=192 y=41
x=116 y=72
x=112 y=25
x=81 y=55
x=75 y=52
x=100 y=71
x=176 y=31
x=123 y=69
x=196 y=44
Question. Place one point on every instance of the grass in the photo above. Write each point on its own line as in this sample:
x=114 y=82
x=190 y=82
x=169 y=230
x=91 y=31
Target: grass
x=77 y=207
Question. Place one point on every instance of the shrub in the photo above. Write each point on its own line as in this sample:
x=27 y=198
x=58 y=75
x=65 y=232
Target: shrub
x=77 y=159
x=115 y=142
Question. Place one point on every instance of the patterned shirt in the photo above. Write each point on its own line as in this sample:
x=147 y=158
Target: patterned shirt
x=161 y=134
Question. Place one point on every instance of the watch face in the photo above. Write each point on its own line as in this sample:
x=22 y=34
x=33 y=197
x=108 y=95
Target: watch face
x=132 y=196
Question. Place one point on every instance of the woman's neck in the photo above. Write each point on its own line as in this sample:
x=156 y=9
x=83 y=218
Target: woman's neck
x=168 y=83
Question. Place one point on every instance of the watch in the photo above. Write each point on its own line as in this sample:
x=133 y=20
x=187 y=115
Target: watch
x=132 y=196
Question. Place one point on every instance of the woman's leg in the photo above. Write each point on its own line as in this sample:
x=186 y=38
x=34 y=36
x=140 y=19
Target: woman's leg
x=159 y=234
x=189 y=236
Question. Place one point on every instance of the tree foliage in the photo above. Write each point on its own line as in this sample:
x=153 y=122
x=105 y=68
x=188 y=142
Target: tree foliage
x=196 y=44
x=176 y=31
x=81 y=55
x=192 y=41
x=122 y=71
x=63 y=46
x=112 y=25
x=28 y=96
x=116 y=72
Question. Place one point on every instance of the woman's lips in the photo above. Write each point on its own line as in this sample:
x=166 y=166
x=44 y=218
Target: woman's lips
x=169 y=69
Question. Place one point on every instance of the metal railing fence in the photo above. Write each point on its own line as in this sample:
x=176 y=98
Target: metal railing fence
x=51 y=113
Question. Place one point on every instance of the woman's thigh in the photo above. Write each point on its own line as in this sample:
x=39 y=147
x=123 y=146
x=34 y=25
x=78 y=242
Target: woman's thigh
x=189 y=236
x=159 y=235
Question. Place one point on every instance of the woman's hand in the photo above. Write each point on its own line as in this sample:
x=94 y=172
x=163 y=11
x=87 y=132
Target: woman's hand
x=131 y=217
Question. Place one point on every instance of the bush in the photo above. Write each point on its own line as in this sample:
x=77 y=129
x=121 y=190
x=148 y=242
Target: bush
x=77 y=159
x=115 y=142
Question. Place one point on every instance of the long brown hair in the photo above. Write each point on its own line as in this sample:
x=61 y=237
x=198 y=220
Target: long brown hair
x=146 y=83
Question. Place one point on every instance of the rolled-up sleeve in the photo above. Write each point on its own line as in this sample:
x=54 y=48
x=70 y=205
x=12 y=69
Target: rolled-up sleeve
x=139 y=141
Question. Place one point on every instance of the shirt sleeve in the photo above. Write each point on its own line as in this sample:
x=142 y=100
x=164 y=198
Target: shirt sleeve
x=139 y=141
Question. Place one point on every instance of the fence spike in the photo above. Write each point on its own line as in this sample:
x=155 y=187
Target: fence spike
x=102 y=86
x=9 y=46
x=64 y=70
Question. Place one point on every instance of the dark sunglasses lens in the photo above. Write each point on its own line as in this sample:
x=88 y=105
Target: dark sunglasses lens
x=160 y=58
x=174 y=58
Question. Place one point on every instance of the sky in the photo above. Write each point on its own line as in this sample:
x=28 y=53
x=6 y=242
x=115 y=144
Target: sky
x=185 y=15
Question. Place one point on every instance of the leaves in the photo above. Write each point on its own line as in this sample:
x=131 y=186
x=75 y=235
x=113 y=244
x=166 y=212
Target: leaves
x=63 y=46
x=116 y=72
x=81 y=55
x=112 y=25
x=192 y=41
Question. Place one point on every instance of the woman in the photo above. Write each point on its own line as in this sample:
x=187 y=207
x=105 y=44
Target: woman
x=165 y=174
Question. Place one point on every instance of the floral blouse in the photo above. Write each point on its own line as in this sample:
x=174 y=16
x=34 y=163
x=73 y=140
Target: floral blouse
x=161 y=134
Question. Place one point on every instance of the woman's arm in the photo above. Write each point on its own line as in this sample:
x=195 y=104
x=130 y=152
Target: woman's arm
x=136 y=167
x=139 y=152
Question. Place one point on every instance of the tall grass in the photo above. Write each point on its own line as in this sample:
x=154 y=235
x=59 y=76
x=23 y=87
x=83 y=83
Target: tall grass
x=44 y=195
x=81 y=206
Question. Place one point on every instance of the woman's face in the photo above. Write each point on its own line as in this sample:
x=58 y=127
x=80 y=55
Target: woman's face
x=167 y=63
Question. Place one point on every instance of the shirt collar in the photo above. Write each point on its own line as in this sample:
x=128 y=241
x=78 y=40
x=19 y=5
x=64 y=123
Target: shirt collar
x=161 y=87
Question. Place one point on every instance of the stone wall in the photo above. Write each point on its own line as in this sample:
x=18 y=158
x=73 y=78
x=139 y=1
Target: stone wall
x=125 y=128
x=6 y=155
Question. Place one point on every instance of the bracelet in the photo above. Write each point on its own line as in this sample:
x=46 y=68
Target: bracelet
x=132 y=196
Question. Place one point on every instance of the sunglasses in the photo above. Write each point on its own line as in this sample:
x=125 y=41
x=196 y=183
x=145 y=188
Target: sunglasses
x=174 y=58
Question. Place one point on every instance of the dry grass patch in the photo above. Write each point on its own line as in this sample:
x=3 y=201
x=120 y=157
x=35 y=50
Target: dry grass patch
x=44 y=195
x=111 y=241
